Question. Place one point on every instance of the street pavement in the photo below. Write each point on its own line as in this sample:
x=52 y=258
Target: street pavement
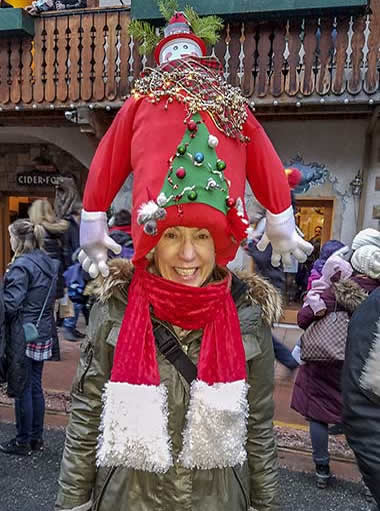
x=30 y=483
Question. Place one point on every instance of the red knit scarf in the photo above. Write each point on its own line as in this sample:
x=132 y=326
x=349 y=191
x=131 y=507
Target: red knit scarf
x=210 y=308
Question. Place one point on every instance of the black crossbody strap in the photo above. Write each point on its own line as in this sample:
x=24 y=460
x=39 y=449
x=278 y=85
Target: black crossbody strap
x=172 y=351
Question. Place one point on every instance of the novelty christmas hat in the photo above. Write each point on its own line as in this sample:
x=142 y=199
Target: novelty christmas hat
x=198 y=188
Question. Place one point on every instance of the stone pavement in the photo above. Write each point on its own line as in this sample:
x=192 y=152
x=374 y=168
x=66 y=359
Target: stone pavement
x=30 y=483
x=291 y=428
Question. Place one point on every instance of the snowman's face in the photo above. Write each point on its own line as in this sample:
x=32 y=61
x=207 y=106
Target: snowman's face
x=179 y=48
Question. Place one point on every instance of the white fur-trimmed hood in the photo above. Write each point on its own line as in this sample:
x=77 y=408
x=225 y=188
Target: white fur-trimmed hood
x=370 y=377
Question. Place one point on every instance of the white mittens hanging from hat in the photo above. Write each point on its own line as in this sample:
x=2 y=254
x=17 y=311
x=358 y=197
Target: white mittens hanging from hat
x=95 y=243
x=280 y=231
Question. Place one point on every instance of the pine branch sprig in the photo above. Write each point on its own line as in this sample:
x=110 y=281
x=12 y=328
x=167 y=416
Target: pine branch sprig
x=145 y=34
x=167 y=8
x=206 y=28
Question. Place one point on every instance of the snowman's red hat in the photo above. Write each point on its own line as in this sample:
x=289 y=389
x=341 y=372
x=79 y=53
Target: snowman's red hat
x=178 y=28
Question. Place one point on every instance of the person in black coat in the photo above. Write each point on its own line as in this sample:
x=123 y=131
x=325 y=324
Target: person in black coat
x=2 y=337
x=120 y=231
x=29 y=283
x=41 y=212
x=361 y=391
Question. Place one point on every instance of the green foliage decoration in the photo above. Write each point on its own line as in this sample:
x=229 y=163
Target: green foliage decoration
x=145 y=34
x=207 y=28
x=167 y=8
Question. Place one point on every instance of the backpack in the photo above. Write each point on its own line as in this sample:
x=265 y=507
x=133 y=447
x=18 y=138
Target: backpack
x=75 y=283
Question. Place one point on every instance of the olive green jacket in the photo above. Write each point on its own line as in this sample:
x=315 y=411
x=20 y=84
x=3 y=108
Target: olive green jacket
x=180 y=489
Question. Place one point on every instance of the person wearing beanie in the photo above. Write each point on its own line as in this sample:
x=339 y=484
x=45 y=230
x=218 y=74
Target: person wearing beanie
x=334 y=269
x=172 y=406
x=366 y=260
x=366 y=237
x=317 y=393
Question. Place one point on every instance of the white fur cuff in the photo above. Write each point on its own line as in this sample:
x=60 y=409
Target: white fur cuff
x=134 y=429
x=370 y=377
x=216 y=430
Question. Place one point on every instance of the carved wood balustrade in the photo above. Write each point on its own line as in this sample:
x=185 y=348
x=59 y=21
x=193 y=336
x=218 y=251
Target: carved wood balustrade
x=83 y=57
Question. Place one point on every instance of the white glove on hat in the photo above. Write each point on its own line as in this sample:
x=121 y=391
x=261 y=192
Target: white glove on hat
x=95 y=243
x=280 y=231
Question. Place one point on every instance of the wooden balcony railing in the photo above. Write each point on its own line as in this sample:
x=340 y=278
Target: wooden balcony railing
x=87 y=56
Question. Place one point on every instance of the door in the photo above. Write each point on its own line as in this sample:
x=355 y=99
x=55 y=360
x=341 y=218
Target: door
x=314 y=217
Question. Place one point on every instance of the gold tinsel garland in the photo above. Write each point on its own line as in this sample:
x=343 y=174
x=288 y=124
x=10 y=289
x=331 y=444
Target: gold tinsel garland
x=199 y=84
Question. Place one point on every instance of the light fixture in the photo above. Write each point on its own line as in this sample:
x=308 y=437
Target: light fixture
x=356 y=185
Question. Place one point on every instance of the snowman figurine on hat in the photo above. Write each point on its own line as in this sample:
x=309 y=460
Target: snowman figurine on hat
x=192 y=143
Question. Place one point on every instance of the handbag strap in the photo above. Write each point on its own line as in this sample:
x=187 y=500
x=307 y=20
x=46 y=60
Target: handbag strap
x=172 y=351
x=46 y=300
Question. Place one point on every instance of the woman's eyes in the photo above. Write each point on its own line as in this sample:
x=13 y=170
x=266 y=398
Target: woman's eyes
x=203 y=236
x=170 y=235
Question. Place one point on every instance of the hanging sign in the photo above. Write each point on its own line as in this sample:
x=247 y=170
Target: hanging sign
x=38 y=178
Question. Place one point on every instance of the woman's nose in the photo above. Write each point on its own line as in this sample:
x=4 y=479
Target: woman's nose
x=188 y=250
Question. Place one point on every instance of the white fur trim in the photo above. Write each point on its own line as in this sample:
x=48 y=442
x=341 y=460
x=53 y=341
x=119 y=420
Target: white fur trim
x=147 y=211
x=216 y=430
x=370 y=377
x=134 y=428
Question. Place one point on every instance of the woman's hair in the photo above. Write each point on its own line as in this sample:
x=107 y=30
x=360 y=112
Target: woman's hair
x=28 y=236
x=326 y=251
x=41 y=211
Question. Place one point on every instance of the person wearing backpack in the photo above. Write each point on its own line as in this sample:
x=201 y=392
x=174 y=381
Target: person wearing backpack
x=29 y=294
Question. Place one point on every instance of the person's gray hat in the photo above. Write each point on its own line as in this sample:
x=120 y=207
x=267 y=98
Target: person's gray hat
x=366 y=260
x=366 y=237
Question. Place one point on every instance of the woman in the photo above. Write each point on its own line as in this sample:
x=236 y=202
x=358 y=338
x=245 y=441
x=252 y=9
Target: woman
x=184 y=260
x=29 y=282
x=328 y=249
x=317 y=390
x=41 y=212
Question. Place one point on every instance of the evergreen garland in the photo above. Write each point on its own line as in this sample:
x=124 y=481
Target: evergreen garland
x=145 y=34
x=205 y=28
x=167 y=8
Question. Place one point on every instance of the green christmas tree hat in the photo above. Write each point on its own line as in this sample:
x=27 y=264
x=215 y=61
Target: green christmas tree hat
x=195 y=192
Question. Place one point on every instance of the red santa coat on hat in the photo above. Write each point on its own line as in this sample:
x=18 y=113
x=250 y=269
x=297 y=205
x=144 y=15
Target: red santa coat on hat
x=143 y=137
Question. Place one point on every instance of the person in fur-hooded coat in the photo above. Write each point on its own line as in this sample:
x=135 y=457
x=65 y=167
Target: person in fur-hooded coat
x=317 y=390
x=361 y=391
x=223 y=489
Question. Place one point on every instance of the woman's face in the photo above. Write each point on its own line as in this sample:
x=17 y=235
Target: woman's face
x=185 y=255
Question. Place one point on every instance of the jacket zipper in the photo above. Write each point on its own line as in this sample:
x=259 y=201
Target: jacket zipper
x=90 y=354
x=102 y=491
x=241 y=487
